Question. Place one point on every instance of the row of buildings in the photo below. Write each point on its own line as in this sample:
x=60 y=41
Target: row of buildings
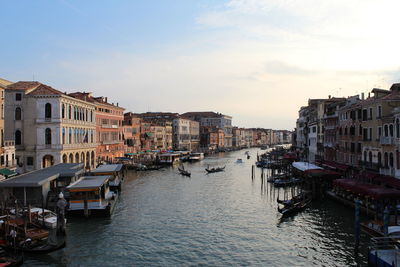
x=41 y=126
x=361 y=132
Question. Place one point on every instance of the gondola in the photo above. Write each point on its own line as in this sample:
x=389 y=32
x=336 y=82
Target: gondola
x=8 y=259
x=298 y=204
x=218 y=169
x=184 y=172
x=37 y=248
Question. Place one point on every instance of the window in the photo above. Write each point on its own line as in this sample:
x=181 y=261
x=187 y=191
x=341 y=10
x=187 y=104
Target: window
x=360 y=130
x=47 y=111
x=370 y=114
x=391 y=160
x=370 y=134
x=63 y=135
x=18 y=137
x=386 y=160
x=379 y=112
x=18 y=97
x=365 y=115
x=69 y=112
x=18 y=114
x=379 y=131
x=391 y=130
x=48 y=136
x=397 y=128
x=29 y=161
x=386 y=130
x=379 y=159
x=63 y=111
x=359 y=148
x=370 y=157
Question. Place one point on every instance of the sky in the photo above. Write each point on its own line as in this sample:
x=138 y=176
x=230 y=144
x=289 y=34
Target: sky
x=256 y=60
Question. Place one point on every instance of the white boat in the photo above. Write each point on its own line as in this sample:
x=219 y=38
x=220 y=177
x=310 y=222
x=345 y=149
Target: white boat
x=50 y=218
x=239 y=161
x=196 y=156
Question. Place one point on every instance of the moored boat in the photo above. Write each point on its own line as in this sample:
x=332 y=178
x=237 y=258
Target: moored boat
x=91 y=195
x=116 y=173
x=296 y=204
x=196 y=156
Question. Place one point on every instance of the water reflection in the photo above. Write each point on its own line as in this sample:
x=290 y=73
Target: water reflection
x=226 y=218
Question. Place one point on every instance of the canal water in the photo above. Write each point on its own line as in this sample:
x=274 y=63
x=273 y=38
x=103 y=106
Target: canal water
x=220 y=219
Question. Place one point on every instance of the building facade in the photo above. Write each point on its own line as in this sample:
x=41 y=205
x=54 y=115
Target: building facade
x=49 y=127
x=109 y=128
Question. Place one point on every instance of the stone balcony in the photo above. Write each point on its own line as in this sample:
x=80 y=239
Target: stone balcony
x=387 y=171
x=386 y=140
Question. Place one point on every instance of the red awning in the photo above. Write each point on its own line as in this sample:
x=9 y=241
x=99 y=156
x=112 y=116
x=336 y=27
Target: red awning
x=335 y=165
x=374 y=191
x=387 y=181
x=322 y=172
x=292 y=156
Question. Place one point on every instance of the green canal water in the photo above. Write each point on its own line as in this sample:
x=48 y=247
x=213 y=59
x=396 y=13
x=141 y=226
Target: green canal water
x=221 y=219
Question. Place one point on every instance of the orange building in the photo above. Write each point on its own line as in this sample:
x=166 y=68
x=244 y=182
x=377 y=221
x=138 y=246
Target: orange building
x=109 y=127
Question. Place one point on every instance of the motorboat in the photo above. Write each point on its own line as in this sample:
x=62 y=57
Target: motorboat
x=239 y=161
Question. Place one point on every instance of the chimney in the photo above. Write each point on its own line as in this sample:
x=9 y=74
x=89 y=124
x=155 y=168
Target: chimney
x=106 y=99
x=362 y=96
x=369 y=95
x=329 y=96
x=117 y=104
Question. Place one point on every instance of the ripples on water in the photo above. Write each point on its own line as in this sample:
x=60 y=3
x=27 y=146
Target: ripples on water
x=221 y=219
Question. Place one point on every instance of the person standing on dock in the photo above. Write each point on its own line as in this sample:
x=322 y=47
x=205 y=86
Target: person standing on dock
x=61 y=205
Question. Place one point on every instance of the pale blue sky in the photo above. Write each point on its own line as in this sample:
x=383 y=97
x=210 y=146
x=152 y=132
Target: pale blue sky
x=257 y=60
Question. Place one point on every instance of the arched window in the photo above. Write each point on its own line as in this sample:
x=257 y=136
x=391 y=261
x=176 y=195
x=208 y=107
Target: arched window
x=63 y=136
x=48 y=136
x=86 y=115
x=63 y=111
x=391 y=161
x=379 y=159
x=365 y=156
x=391 y=130
x=386 y=130
x=47 y=111
x=397 y=128
x=70 y=136
x=18 y=137
x=69 y=112
x=18 y=114
x=370 y=157
x=345 y=130
x=386 y=160
x=91 y=116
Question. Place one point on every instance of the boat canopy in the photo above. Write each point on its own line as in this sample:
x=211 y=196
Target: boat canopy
x=89 y=182
x=108 y=168
x=322 y=173
x=303 y=166
x=371 y=190
x=333 y=165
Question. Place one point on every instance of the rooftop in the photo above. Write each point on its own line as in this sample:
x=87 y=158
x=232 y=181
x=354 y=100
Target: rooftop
x=39 y=177
x=108 y=168
x=88 y=182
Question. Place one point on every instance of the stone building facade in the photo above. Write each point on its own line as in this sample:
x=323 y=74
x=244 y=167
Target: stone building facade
x=49 y=127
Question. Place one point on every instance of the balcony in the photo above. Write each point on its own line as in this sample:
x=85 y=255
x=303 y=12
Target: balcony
x=109 y=126
x=111 y=142
x=370 y=165
x=387 y=171
x=386 y=140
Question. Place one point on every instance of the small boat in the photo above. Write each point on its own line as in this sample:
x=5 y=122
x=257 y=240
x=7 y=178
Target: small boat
x=196 y=156
x=248 y=156
x=8 y=259
x=212 y=170
x=49 y=217
x=184 y=172
x=295 y=205
x=239 y=161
